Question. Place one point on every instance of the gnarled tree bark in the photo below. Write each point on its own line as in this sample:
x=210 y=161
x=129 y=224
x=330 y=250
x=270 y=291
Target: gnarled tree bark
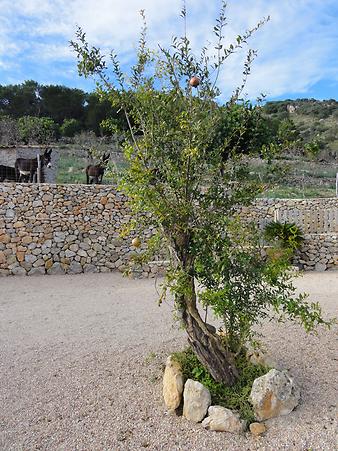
x=206 y=345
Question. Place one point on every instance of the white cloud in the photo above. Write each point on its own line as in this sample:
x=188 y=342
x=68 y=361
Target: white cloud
x=295 y=47
x=51 y=52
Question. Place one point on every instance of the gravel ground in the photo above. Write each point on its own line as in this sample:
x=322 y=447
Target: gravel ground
x=82 y=359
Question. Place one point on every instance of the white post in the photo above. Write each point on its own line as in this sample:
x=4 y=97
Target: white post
x=39 y=169
x=337 y=184
x=276 y=215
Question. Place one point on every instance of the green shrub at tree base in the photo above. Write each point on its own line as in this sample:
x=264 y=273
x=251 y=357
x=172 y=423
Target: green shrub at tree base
x=235 y=397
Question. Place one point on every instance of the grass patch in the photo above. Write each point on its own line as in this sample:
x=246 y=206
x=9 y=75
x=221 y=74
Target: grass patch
x=234 y=397
x=299 y=178
x=72 y=169
x=74 y=175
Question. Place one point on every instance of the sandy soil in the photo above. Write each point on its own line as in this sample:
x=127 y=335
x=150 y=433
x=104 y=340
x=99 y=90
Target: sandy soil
x=81 y=367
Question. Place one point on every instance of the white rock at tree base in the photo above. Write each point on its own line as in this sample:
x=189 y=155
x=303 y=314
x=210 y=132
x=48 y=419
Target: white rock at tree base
x=273 y=394
x=223 y=420
x=197 y=399
x=172 y=384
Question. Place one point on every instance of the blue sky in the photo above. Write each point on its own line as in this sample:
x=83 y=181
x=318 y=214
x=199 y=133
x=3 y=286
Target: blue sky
x=297 y=48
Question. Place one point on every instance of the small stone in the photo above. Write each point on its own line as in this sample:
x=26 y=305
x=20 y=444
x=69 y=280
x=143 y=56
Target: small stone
x=18 y=271
x=56 y=269
x=172 y=384
x=10 y=213
x=18 y=224
x=320 y=267
x=257 y=428
x=20 y=256
x=27 y=239
x=49 y=263
x=69 y=253
x=11 y=260
x=36 y=271
x=30 y=258
x=39 y=262
x=197 y=399
x=75 y=268
x=89 y=268
x=5 y=238
x=84 y=246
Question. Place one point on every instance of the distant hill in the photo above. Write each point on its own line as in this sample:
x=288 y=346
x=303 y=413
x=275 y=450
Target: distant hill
x=314 y=119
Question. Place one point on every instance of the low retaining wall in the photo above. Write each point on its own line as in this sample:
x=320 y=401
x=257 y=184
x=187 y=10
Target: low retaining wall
x=57 y=229
x=318 y=252
x=318 y=220
x=314 y=216
x=75 y=228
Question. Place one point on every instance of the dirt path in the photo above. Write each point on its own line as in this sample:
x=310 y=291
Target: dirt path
x=81 y=366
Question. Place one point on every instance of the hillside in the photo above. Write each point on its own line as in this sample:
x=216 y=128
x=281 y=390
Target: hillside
x=314 y=119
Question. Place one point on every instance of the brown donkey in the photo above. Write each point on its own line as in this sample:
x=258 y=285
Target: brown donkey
x=27 y=168
x=94 y=173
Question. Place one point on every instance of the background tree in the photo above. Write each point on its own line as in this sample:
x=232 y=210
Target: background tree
x=37 y=130
x=60 y=102
x=70 y=127
x=9 y=132
x=97 y=110
x=20 y=100
x=180 y=181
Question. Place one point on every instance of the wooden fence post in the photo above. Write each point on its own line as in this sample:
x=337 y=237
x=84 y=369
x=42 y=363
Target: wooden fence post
x=38 y=173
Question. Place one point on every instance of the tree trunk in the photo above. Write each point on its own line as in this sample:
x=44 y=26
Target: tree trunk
x=206 y=345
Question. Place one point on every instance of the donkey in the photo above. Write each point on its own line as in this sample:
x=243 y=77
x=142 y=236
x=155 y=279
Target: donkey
x=7 y=173
x=94 y=173
x=28 y=167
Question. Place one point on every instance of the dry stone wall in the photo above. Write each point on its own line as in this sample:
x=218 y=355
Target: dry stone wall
x=70 y=229
x=318 y=220
x=58 y=229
